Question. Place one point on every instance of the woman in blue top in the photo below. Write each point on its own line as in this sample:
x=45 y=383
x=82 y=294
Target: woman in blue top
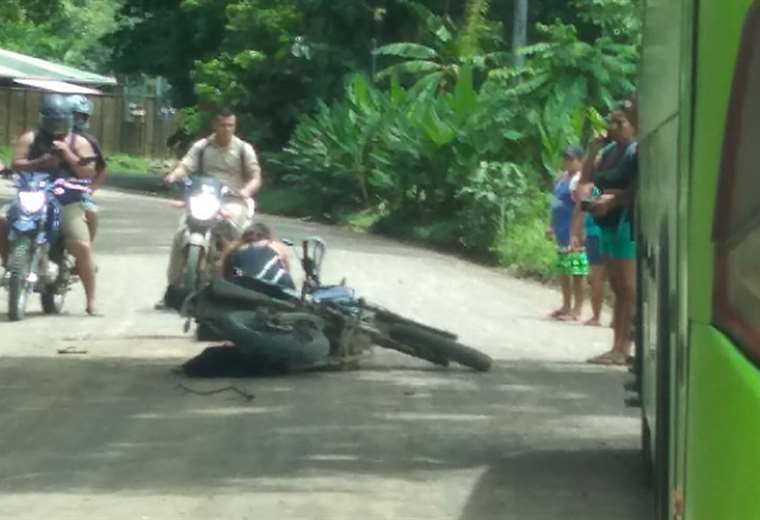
x=607 y=187
x=571 y=262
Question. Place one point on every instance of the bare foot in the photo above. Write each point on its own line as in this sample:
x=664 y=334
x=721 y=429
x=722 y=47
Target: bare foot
x=559 y=313
x=609 y=358
x=593 y=322
x=92 y=311
x=600 y=356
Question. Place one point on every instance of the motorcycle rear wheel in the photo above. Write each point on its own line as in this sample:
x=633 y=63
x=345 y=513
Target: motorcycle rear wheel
x=414 y=336
x=52 y=301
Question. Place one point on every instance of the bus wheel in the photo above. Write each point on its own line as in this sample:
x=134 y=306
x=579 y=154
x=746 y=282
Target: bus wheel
x=646 y=452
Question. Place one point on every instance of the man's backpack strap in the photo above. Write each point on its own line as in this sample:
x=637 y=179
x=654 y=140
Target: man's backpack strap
x=201 y=153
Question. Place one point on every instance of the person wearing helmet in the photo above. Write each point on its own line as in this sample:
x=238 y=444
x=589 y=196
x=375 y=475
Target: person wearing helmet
x=81 y=111
x=55 y=149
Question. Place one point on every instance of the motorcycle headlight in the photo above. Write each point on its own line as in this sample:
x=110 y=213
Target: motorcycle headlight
x=204 y=206
x=31 y=201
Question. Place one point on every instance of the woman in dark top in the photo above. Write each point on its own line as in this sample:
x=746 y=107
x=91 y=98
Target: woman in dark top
x=258 y=255
x=607 y=187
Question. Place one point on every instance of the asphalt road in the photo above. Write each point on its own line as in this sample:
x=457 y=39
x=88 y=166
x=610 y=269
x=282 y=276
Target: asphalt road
x=116 y=433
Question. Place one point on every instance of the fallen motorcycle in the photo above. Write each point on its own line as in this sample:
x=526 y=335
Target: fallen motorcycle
x=322 y=326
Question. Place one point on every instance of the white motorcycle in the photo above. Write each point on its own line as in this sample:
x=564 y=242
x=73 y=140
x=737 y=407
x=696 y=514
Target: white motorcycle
x=210 y=223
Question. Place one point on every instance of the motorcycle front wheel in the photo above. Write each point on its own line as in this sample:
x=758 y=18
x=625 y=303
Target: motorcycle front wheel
x=193 y=268
x=18 y=287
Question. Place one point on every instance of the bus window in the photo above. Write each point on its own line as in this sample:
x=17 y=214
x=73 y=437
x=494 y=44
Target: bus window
x=737 y=214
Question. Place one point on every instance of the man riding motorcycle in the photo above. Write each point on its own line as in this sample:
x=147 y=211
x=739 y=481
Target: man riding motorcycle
x=53 y=148
x=233 y=161
x=81 y=110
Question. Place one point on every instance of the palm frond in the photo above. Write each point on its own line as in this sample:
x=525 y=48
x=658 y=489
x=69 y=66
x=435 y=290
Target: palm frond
x=412 y=67
x=413 y=51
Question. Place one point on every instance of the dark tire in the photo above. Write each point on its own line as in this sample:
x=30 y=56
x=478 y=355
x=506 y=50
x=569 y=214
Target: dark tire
x=661 y=458
x=301 y=344
x=206 y=332
x=396 y=319
x=17 y=296
x=417 y=337
x=191 y=277
x=52 y=301
x=646 y=452
x=18 y=264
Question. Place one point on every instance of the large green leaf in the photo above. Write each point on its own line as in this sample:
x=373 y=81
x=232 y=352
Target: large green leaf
x=360 y=92
x=413 y=67
x=465 y=99
x=413 y=51
x=397 y=92
x=438 y=131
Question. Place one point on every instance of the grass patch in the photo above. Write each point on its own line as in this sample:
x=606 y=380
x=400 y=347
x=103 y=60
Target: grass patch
x=5 y=155
x=120 y=162
x=363 y=220
x=288 y=201
x=526 y=251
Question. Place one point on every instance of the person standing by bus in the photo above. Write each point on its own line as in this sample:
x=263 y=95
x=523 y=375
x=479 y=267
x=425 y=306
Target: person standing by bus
x=606 y=188
x=571 y=261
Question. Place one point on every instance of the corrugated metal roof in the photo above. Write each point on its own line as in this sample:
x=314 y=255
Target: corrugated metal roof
x=61 y=87
x=19 y=66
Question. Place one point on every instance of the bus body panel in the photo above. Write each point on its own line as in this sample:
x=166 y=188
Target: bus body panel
x=720 y=26
x=724 y=431
x=714 y=390
x=662 y=215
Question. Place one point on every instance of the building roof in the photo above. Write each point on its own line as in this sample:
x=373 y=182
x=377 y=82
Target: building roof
x=17 y=66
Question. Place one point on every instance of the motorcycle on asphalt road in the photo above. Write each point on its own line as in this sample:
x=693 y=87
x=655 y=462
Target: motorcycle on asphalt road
x=37 y=259
x=319 y=327
x=208 y=225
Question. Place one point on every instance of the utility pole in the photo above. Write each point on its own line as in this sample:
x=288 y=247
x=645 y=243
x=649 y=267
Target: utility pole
x=519 y=30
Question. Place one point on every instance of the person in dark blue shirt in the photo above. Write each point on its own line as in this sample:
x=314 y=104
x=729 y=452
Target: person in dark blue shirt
x=260 y=256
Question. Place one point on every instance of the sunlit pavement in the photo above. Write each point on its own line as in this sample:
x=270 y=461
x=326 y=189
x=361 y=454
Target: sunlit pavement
x=117 y=433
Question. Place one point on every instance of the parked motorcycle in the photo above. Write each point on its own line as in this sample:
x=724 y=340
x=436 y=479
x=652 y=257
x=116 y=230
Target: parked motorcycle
x=37 y=260
x=208 y=226
x=322 y=326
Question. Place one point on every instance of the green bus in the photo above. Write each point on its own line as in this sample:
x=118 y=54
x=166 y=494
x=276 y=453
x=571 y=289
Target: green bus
x=698 y=226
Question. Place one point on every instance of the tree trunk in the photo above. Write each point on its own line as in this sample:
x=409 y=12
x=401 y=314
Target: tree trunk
x=519 y=30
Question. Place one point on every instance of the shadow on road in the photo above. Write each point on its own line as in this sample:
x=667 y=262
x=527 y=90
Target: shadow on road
x=545 y=439
x=589 y=483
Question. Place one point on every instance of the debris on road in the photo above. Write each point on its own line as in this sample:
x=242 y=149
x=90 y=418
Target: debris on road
x=242 y=393
x=73 y=350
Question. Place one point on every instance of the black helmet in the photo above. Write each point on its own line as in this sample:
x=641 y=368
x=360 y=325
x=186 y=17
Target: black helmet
x=55 y=114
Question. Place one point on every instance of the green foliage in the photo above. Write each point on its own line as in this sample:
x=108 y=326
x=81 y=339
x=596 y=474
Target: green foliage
x=525 y=250
x=447 y=143
x=128 y=163
x=420 y=154
x=68 y=31
x=448 y=46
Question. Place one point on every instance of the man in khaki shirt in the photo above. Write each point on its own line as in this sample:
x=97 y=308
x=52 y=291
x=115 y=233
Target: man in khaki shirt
x=231 y=160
